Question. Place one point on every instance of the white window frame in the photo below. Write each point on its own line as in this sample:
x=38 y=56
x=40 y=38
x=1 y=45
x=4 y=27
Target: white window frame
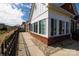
x=55 y=26
x=57 y=30
x=42 y=24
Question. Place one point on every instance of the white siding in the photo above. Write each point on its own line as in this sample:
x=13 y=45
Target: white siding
x=57 y=16
x=40 y=12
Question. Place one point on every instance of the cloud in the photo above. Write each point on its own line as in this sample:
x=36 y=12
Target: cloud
x=24 y=7
x=10 y=16
x=19 y=5
x=28 y=5
x=14 y=13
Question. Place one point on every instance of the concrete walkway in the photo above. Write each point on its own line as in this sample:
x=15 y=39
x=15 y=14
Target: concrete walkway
x=66 y=52
x=70 y=47
x=33 y=49
x=21 y=46
x=71 y=50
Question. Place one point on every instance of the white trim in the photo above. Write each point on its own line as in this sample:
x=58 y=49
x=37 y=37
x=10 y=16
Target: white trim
x=50 y=36
x=57 y=30
x=38 y=27
x=40 y=34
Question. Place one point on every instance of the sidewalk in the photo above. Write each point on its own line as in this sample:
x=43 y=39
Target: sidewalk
x=33 y=49
x=21 y=46
x=71 y=50
x=66 y=52
x=64 y=48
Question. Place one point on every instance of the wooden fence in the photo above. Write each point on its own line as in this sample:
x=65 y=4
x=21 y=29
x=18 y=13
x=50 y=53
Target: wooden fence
x=9 y=46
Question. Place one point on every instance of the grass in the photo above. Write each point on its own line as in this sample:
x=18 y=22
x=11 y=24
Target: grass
x=2 y=32
x=6 y=36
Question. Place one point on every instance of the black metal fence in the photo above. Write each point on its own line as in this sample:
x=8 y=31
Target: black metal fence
x=9 y=46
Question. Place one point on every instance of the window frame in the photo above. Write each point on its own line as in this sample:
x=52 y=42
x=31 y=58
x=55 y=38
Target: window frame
x=42 y=26
x=53 y=27
x=67 y=28
x=62 y=28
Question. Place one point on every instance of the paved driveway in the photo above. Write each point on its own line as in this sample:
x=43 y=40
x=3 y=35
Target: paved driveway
x=69 y=50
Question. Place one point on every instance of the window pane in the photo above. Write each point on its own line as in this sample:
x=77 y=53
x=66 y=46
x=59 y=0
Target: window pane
x=53 y=26
x=36 y=27
x=30 y=27
x=42 y=26
x=52 y=21
x=33 y=27
x=67 y=27
x=39 y=27
x=61 y=27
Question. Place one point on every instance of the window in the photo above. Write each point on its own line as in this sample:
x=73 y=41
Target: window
x=33 y=27
x=39 y=27
x=61 y=27
x=67 y=27
x=30 y=27
x=53 y=26
x=42 y=26
x=36 y=27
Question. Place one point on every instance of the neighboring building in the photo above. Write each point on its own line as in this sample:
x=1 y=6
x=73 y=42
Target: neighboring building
x=51 y=22
x=28 y=26
x=22 y=27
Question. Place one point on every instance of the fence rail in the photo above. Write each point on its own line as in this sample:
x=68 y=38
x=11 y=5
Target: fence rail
x=9 y=46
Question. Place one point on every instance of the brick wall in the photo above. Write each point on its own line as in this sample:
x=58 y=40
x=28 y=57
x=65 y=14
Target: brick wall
x=50 y=40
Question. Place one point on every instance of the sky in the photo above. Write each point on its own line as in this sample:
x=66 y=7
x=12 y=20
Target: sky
x=77 y=6
x=14 y=13
x=25 y=9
